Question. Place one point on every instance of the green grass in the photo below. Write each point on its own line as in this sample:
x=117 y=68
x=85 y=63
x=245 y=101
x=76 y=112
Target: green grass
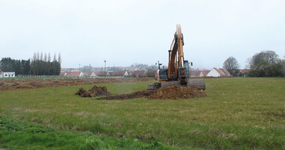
x=20 y=135
x=240 y=113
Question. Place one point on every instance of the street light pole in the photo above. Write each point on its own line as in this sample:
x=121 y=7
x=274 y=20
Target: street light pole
x=105 y=68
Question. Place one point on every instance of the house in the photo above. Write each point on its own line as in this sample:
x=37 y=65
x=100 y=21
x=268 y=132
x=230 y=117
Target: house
x=244 y=71
x=214 y=73
x=199 y=73
x=224 y=72
x=139 y=73
x=102 y=73
x=8 y=74
x=89 y=74
x=62 y=74
x=204 y=73
x=74 y=74
x=121 y=73
x=156 y=72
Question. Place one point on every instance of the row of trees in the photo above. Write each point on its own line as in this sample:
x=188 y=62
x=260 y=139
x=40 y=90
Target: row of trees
x=42 y=64
x=262 y=64
x=39 y=65
x=17 y=66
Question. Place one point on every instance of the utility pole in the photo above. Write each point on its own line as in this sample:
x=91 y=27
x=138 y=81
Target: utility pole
x=105 y=68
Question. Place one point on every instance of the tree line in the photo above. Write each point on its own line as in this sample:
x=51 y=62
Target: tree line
x=262 y=64
x=13 y=65
x=41 y=64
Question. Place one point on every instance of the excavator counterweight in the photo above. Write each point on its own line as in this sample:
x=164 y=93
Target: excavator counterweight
x=177 y=72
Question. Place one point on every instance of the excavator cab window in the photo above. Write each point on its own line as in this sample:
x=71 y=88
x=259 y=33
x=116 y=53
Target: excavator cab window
x=186 y=65
x=163 y=73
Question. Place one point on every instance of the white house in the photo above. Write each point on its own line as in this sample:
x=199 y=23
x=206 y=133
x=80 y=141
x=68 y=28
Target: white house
x=121 y=73
x=89 y=74
x=214 y=73
x=8 y=74
x=74 y=74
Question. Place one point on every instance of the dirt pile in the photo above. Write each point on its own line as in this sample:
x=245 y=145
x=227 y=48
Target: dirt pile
x=95 y=91
x=167 y=92
x=177 y=92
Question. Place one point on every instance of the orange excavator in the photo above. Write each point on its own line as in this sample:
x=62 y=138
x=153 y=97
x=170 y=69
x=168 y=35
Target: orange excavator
x=177 y=72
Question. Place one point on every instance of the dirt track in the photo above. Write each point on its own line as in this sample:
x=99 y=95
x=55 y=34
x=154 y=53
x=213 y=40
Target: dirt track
x=41 y=83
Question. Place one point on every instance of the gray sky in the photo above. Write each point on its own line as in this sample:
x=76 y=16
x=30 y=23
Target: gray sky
x=141 y=31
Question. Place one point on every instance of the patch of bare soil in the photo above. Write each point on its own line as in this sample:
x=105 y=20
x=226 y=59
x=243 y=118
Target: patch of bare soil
x=95 y=91
x=41 y=83
x=167 y=92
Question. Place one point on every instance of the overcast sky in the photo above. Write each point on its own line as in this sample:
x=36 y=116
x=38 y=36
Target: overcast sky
x=124 y=32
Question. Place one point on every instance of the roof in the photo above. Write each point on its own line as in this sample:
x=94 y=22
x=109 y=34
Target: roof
x=222 y=72
x=120 y=72
x=243 y=70
x=195 y=72
x=227 y=72
x=219 y=71
x=73 y=74
x=198 y=72
x=88 y=73
x=101 y=73
x=139 y=72
x=62 y=73
x=205 y=72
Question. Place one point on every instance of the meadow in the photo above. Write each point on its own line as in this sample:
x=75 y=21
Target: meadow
x=239 y=113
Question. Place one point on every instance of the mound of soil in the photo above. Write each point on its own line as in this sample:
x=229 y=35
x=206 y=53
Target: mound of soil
x=95 y=91
x=167 y=92
x=177 y=92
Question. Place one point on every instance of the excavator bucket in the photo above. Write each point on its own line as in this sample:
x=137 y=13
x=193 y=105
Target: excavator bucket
x=197 y=83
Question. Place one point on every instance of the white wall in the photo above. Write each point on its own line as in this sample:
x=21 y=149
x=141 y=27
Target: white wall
x=9 y=74
x=213 y=73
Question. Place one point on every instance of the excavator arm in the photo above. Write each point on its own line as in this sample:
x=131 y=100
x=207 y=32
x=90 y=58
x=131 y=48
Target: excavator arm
x=176 y=68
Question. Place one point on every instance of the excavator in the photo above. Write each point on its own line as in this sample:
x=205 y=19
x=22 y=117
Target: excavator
x=177 y=72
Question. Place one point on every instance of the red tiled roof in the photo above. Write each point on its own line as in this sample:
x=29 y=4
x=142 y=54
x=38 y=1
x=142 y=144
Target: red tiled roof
x=139 y=73
x=119 y=73
x=73 y=74
x=101 y=73
x=223 y=72
x=243 y=70
x=227 y=72
x=195 y=73
x=218 y=71
x=88 y=73
x=205 y=72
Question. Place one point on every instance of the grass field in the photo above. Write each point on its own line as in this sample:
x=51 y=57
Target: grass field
x=239 y=113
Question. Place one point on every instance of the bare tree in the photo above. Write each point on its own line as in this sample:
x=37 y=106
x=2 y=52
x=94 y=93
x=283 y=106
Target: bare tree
x=269 y=57
x=231 y=64
x=265 y=64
